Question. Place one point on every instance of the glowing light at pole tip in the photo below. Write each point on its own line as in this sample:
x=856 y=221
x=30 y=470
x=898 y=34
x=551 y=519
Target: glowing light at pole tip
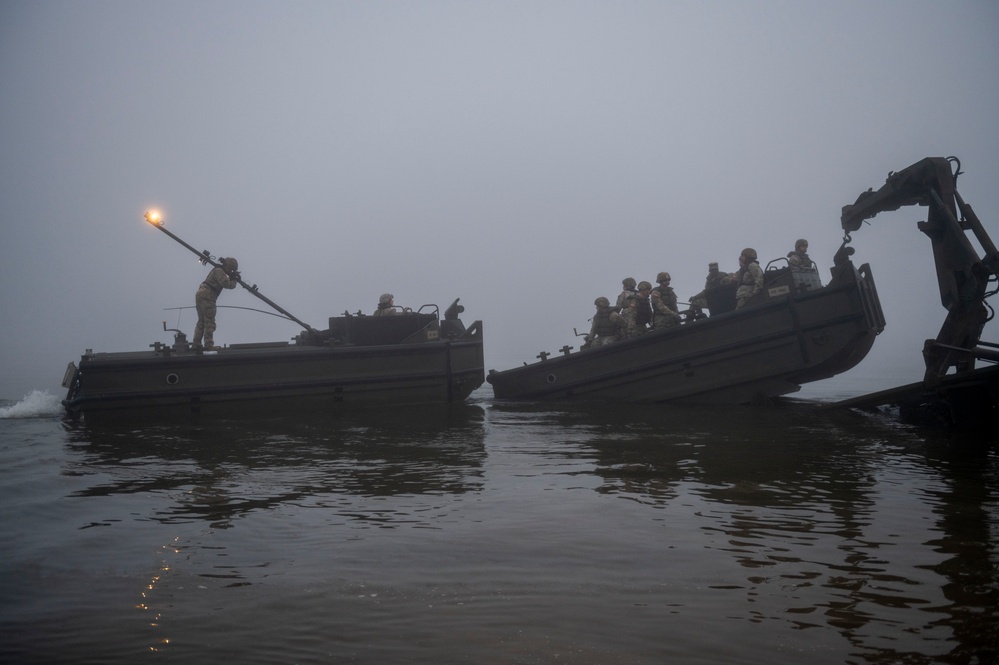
x=153 y=217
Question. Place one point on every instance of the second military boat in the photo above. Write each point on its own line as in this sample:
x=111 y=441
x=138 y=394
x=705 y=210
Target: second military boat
x=794 y=331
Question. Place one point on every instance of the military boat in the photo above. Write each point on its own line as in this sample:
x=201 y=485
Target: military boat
x=796 y=330
x=793 y=331
x=411 y=357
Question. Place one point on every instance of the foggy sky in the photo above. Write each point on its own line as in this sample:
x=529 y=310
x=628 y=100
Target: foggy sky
x=523 y=156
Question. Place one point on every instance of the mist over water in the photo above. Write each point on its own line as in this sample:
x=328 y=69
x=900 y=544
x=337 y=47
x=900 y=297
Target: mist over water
x=525 y=157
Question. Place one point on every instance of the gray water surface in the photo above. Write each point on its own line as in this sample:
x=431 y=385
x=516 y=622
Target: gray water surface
x=500 y=533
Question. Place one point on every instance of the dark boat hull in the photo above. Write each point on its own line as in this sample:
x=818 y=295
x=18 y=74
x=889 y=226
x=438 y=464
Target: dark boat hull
x=966 y=400
x=274 y=377
x=768 y=349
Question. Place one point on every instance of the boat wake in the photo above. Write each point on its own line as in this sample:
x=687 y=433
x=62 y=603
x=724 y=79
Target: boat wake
x=36 y=404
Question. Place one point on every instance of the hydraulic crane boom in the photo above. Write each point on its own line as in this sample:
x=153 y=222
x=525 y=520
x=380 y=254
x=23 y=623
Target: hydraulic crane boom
x=964 y=277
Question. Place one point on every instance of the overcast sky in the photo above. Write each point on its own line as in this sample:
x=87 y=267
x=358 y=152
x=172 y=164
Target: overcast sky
x=523 y=156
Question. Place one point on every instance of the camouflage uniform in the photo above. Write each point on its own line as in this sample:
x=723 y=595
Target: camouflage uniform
x=643 y=318
x=750 y=278
x=385 y=305
x=608 y=326
x=631 y=314
x=204 y=301
x=665 y=313
x=799 y=260
x=622 y=298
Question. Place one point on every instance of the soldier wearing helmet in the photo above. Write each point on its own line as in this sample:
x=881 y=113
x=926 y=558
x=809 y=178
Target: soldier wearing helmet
x=631 y=312
x=750 y=277
x=637 y=312
x=665 y=313
x=798 y=259
x=387 y=306
x=225 y=276
x=629 y=289
x=608 y=326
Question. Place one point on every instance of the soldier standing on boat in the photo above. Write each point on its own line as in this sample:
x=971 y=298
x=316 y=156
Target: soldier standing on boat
x=608 y=325
x=664 y=306
x=712 y=281
x=798 y=259
x=630 y=313
x=225 y=276
x=644 y=315
x=629 y=290
x=750 y=277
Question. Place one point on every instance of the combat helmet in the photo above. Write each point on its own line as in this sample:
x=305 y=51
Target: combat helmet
x=749 y=253
x=628 y=282
x=644 y=286
x=602 y=302
x=230 y=264
x=663 y=276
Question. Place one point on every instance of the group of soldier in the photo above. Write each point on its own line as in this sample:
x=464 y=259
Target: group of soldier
x=642 y=308
x=639 y=309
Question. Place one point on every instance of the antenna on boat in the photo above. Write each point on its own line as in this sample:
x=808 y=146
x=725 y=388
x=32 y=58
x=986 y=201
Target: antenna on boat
x=205 y=258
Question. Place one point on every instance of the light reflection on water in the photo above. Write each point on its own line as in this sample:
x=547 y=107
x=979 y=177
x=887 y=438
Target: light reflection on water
x=498 y=533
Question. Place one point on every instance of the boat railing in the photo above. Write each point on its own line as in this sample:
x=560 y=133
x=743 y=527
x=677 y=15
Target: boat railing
x=801 y=279
x=430 y=308
x=408 y=327
x=380 y=330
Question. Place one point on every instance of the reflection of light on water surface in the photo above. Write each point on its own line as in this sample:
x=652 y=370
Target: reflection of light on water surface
x=147 y=603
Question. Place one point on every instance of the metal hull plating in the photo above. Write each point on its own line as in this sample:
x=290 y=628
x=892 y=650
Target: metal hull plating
x=274 y=377
x=768 y=349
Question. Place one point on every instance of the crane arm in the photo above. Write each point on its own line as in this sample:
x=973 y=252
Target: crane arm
x=911 y=186
x=963 y=276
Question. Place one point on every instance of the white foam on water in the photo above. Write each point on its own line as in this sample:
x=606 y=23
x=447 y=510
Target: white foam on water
x=36 y=404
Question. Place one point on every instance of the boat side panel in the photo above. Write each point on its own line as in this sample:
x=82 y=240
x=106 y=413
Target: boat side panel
x=443 y=372
x=733 y=358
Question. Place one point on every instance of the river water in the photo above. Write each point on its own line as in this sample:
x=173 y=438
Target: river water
x=498 y=533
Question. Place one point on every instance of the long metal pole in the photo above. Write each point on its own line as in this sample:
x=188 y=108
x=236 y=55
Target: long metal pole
x=206 y=258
